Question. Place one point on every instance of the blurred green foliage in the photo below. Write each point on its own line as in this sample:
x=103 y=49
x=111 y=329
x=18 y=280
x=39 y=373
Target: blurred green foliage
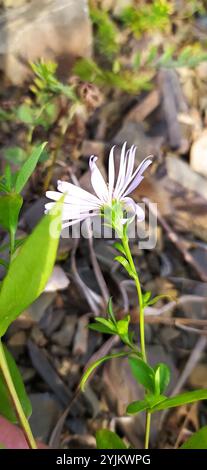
x=147 y=17
x=115 y=66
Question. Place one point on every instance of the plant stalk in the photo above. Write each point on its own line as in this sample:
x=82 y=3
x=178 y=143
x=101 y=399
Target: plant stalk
x=125 y=242
x=15 y=399
x=147 y=430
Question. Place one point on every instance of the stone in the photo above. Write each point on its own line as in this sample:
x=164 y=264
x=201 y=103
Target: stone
x=17 y=343
x=57 y=281
x=65 y=335
x=49 y=29
x=134 y=133
x=46 y=412
x=180 y=172
x=198 y=154
x=198 y=377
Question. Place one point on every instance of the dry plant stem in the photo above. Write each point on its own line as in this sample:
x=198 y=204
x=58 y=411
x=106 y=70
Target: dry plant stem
x=15 y=399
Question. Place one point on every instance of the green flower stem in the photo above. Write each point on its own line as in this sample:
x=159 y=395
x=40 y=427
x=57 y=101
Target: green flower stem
x=15 y=399
x=125 y=243
x=147 y=430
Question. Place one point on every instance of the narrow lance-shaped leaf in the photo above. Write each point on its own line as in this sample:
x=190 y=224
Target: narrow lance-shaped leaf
x=182 y=399
x=97 y=363
x=125 y=264
x=10 y=205
x=110 y=311
x=100 y=328
x=106 y=439
x=28 y=168
x=197 y=441
x=6 y=405
x=29 y=271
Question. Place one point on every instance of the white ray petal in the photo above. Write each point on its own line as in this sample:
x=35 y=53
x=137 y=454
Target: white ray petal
x=122 y=174
x=75 y=191
x=76 y=221
x=137 y=176
x=129 y=170
x=136 y=182
x=71 y=212
x=97 y=180
x=121 y=166
x=111 y=173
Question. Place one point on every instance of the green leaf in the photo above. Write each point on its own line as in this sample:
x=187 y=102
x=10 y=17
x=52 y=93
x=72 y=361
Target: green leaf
x=110 y=311
x=147 y=404
x=97 y=363
x=6 y=406
x=125 y=264
x=8 y=177
x=10 y=205
x=123 y=327
x=145 y=298
x=109 y=440
x=26 y=114
x=15 y=155
x=182 y=399
x=158 y=297
x=106 y=32
x=4 y=263
x=30 y=269
x=100 y=328
x=107 y=323
x=137 y=407
x=162 y=377
x=119 y=247
x=143 y=373
x=197 y=441
x=28 y=168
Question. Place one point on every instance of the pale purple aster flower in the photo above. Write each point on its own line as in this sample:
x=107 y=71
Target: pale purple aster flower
x=80 y=204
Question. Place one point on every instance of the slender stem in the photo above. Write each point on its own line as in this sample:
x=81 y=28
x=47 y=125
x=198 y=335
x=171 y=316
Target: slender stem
x=125 y=242
x=12 y=242
x=147 y=430
x=15 y=399
x=139 y=292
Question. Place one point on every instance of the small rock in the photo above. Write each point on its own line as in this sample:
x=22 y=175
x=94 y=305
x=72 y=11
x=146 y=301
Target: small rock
x=38 y=337
x=40 y=305
x=58 y=280
x=23 y=322
x=46 y=412
x=183 y=174
x=58 y=350
x=43 y=28
x=198 y=377
x=81 y=337
x=65 y=335
x=17 y=343
x=134 y=133
x=198 y=154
